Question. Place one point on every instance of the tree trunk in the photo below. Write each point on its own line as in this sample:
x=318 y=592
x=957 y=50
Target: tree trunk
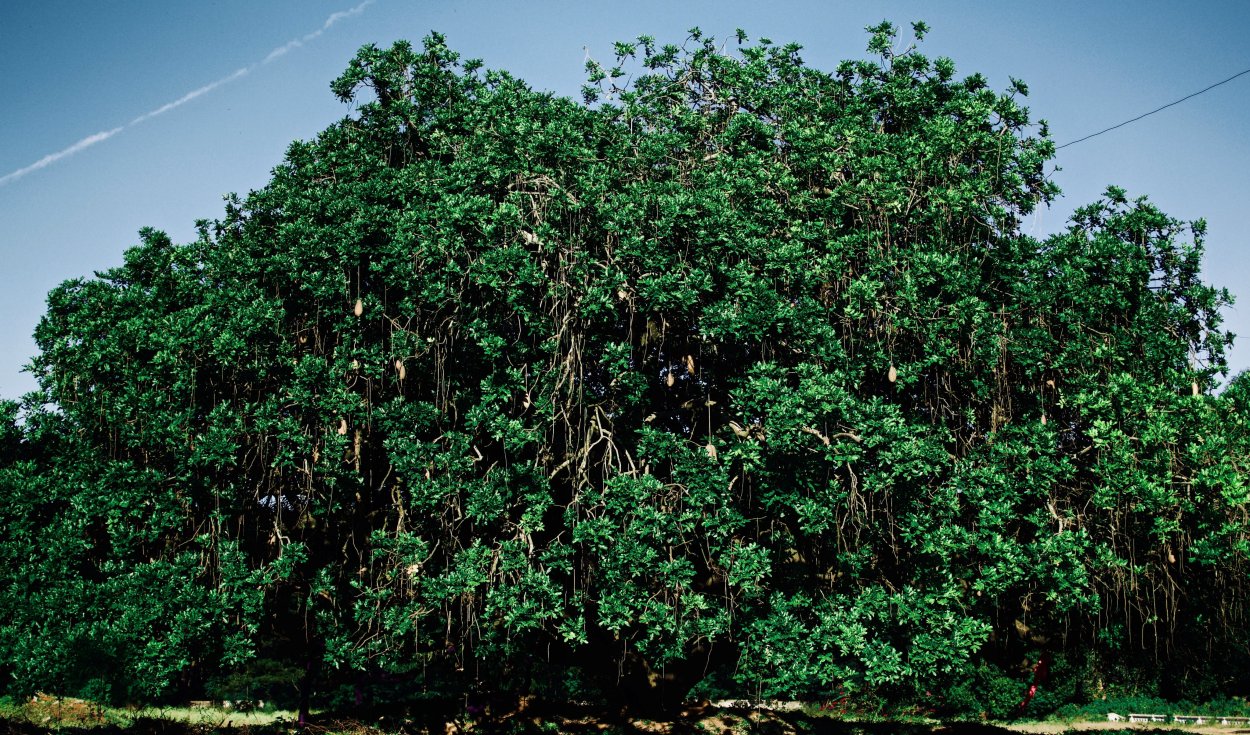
x=656 y=692
x=312 y=665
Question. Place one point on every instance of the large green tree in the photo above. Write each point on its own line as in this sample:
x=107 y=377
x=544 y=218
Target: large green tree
x=740 y=366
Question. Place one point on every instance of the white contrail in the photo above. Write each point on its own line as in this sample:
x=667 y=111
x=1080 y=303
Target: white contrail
x=184 y=99
x=52 y=158
x=334 y=18
x=100 y=137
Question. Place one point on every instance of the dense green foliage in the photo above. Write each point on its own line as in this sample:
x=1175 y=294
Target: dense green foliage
x=740 y=368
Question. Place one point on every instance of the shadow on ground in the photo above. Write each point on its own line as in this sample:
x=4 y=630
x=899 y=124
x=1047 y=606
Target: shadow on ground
x=528 y=718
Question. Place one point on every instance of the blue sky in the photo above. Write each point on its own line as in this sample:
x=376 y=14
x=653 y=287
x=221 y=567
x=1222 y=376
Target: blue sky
x=81 y=77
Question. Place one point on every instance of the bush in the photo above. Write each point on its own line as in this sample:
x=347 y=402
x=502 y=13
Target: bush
x=987 y=692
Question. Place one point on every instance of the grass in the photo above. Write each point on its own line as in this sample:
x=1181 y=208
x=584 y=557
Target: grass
x=215 y=716
x=56 y=714
x=79 y=717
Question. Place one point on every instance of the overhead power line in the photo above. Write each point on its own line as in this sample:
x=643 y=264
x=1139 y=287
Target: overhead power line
x=1157 y=109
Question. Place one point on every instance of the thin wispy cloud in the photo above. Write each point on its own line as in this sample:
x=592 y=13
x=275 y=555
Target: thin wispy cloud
x=52 y=158
x=334 y=18
x=184 y=99
x=102 y=136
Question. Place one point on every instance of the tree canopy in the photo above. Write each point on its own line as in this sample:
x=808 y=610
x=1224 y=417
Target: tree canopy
x=736 y=371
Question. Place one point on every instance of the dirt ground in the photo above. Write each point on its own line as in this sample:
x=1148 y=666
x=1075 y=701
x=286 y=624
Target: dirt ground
x=739 y=721
x=75 y=717
x=1054 y=728
x=745 y=721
